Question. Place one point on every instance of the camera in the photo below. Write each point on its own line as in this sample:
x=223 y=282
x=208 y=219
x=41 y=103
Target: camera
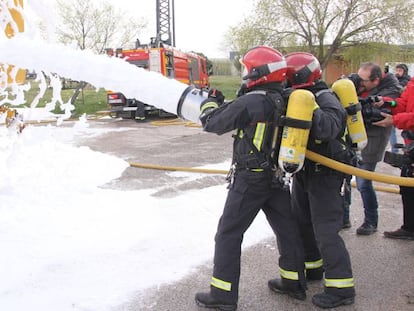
x=406 y=134
x=400 y=160
x=370 y=113
x=356 y=79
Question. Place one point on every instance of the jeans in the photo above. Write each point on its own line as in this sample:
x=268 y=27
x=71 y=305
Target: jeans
x=393 y=140
x=368 y=194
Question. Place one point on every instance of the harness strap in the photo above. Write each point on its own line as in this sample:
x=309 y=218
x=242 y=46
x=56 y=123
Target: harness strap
x=262 y=157
x=302 y=124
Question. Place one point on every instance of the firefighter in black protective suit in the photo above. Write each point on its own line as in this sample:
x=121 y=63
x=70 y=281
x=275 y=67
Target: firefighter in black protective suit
x=256 y=183
x=316 y=189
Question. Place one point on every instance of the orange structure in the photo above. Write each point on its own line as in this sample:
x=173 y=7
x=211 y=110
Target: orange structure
x=16 y=24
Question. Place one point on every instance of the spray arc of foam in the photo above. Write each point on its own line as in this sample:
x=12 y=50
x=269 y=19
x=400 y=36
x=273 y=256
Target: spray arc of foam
x=102 y=72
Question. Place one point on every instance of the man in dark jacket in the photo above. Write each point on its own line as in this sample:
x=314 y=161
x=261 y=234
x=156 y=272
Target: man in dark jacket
x=402 y=117
x=257 y=184
x=401 y=72
x=316 y=190
x=373 y=82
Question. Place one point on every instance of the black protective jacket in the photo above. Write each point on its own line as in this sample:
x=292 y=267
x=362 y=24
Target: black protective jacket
x=252 y=116
x=316 y=199
x=328 y=124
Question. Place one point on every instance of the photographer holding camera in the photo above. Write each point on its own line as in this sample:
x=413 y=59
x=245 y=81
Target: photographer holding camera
x=402 y=117
x=371 y=82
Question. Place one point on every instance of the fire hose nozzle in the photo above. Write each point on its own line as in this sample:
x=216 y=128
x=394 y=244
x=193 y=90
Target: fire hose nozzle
x=188 y=107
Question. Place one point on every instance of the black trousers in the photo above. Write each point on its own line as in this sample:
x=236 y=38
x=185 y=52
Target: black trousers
x=407 y=196
x=317 y=205
x=250 y=193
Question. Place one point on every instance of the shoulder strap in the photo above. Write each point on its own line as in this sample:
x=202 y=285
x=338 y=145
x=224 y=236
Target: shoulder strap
x=319 y=93
x=261 y=92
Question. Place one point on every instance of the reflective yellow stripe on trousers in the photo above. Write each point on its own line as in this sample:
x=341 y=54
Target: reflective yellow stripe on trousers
x=221 y=284
x=339 y=283
x=313 y=264
x=290 y=275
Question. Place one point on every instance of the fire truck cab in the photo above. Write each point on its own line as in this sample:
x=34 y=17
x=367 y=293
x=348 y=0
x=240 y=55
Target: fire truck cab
x=188 y=68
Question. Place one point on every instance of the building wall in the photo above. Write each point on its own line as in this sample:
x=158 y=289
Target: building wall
x=334 y=70
x=337 y=68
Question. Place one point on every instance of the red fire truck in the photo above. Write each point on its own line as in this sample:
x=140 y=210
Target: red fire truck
x=188 y=68
x=160 y=55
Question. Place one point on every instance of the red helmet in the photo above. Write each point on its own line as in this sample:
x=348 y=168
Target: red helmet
x=303 y=69
x=263 y=64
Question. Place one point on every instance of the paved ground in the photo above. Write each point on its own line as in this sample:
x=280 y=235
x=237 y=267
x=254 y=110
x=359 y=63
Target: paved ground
x=383 y=268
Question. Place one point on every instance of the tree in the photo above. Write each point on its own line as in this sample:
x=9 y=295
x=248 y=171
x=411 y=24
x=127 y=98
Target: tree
x=96 y=27
x=323 y=27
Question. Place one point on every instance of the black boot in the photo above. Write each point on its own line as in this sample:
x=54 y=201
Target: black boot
x=346 y=224
x=205 y=300
x=314 y=274
x=291 y=288
x=327 y=301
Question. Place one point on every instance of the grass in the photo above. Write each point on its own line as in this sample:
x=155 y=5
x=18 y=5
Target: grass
x=90 y=100
x=226 y=84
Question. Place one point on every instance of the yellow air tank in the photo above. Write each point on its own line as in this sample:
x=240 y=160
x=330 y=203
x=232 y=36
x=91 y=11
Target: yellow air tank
x=295 y=133
x=345 y=90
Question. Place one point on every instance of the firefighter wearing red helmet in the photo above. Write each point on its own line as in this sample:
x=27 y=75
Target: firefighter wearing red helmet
x=303 y=71
x=256 y=183
x=316 y=190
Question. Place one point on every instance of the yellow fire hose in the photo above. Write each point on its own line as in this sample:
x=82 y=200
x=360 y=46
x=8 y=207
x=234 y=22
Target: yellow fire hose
x=351 y=170
x=383 y=178
x=166 y=122
x=224 y=172
x=381 y=188
x=176 y=121
x=388 y=179
x=178 y=168
x=35 y=122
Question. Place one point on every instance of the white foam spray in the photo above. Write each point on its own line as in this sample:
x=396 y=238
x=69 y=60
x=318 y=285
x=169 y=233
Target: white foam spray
x=99 y=70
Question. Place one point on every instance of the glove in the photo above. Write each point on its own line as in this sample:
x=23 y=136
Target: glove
x=217 y=95
x=206 y=107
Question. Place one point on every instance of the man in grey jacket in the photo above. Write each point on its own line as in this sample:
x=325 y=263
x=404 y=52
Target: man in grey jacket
x=373 y=82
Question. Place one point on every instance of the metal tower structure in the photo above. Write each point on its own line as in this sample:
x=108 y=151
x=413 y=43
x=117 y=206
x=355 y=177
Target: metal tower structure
x=166 y=22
